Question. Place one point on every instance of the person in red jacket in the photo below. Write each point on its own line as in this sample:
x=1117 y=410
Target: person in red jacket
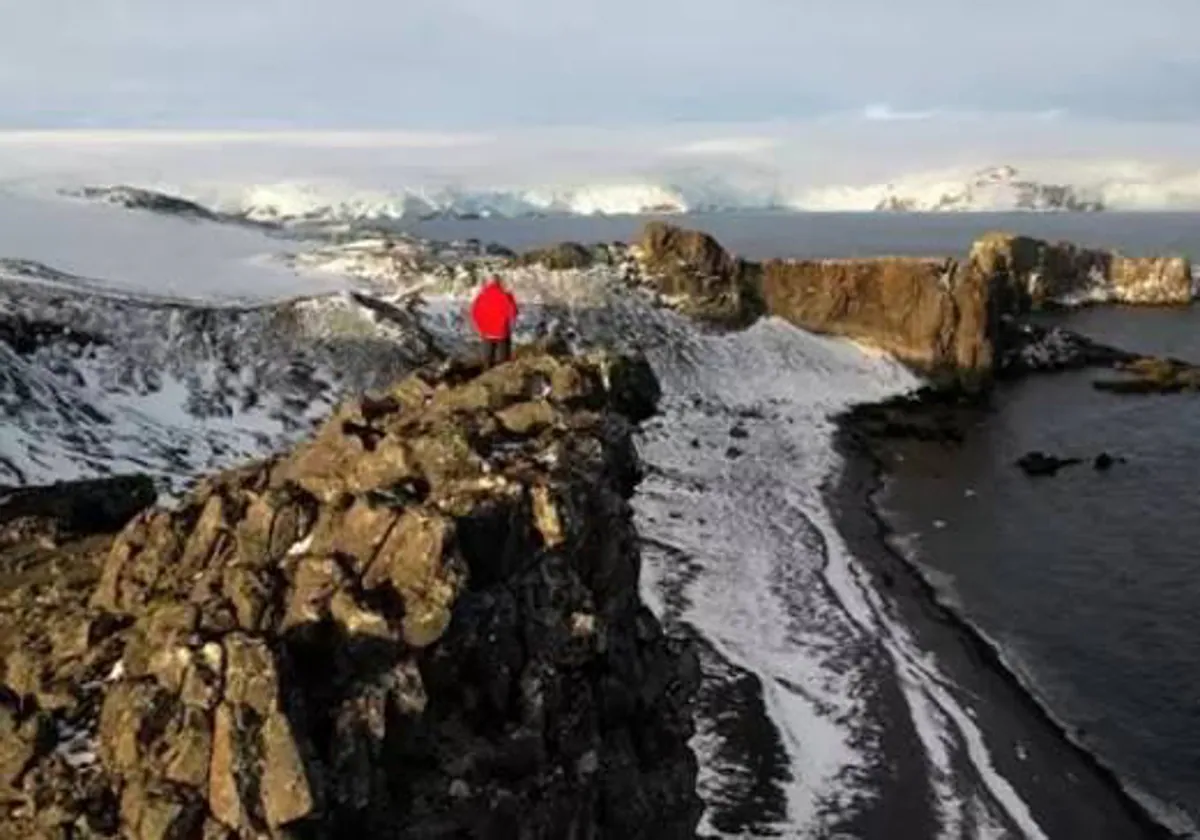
x=494 y=313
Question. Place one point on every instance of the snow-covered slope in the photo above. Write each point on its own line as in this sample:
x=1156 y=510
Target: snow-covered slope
x=94 y=383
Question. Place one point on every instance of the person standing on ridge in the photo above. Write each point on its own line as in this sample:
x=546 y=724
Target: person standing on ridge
x=494 y=312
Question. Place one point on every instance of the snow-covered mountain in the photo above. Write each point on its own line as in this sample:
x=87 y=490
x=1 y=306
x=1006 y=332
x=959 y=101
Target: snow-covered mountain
x=996 y=188
x=323 y=206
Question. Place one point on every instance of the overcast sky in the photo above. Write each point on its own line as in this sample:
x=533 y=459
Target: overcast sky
x=470 y=64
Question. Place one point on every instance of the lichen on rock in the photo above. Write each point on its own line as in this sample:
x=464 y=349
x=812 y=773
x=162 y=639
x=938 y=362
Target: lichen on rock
x=424 y=622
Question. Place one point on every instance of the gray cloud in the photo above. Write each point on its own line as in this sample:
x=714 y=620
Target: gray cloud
x=481 y=62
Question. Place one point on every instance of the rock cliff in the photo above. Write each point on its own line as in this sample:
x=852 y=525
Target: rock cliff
x=424 y=622
x=937 y=315
x=950 y=317
x=1041 y=272
x=699 y=277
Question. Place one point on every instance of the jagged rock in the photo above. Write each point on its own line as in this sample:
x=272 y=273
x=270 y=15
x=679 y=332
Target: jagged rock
x=299 y=649
x=1038 y=273
x=1029 y=348
x=691 y=269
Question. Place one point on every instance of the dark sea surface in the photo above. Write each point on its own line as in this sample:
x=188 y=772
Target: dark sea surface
x=1088 y=581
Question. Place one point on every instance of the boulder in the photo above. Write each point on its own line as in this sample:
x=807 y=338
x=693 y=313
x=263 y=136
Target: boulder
x=691 y=270
x=425 y=621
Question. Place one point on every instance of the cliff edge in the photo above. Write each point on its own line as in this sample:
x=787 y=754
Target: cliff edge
x=955 y=318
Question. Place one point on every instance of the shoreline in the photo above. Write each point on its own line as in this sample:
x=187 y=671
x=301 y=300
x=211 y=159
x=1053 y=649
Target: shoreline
x=1010 y=712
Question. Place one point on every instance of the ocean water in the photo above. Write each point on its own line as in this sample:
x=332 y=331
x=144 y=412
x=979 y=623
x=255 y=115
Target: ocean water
x=822 y=714
x=1087 y=580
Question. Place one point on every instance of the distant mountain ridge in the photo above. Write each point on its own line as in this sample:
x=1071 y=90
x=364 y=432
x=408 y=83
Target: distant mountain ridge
x=1002 y=188
x=997 y=188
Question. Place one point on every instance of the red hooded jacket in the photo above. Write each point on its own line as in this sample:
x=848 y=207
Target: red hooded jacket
x=494 y=312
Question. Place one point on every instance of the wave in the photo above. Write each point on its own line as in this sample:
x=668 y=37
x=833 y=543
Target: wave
x=1117 y=186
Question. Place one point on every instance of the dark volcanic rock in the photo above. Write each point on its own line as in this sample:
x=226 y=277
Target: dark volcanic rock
x=1032 y=348
x=1040 y=464
x=424 y=622
x=73 y=509
x=939 y=414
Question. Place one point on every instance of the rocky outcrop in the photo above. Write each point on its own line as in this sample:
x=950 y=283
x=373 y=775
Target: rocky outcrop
x=1152 y=375
x=952 y=318
x=424 y=622
x=1040 y=272
x=937 y=315
x=564 y=256
x=694 y=273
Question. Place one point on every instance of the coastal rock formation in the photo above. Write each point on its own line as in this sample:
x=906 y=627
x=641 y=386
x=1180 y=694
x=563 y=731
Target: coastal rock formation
x=1040 y=272
x=563 y=256
x=1037 y=463
x=937 y=315
x=424 y=622
x=957 y=319
x=1152 y=375
x=693 y=272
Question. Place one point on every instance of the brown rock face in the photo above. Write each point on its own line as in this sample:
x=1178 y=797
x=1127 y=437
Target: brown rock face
x=934 y=314
x=560 y=257
x=693 y=270
x=946 y=317
x=1040 y=272
x=422 y=623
